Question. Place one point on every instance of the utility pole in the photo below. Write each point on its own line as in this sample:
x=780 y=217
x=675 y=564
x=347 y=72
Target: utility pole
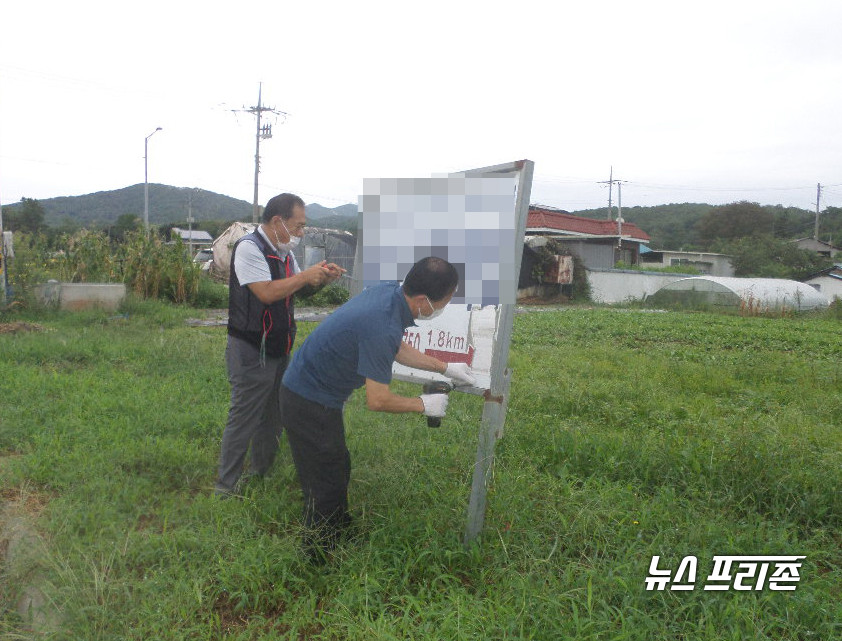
x=190 y=224
x=610 y=182
x=619 y=213
x=4 y=261
x=146 y=180
x=263 y=132
x=818 y=207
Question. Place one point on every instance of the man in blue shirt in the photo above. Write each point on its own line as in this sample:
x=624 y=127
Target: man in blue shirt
x=355 y=347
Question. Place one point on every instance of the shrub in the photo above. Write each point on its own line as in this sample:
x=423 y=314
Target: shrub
x=671 y=269
x=211 y=294
x=88 y=258
x=580 y=290
x=153 y=269
x=32 y=265
x=331 y=295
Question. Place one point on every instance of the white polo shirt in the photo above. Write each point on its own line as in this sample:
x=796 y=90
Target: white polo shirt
x=250 y=264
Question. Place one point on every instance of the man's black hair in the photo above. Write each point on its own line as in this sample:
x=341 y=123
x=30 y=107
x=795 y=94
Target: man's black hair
x=433 y=277
x=281 y=205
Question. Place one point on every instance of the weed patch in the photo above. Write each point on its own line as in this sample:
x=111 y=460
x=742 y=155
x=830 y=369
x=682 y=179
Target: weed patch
x=628 y=435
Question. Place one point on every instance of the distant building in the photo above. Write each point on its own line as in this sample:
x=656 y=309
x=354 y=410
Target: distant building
x=703 y=262
x=198 y=238
x=600 y=244
x=828 y=281
x=818 y=246
x=333 y=245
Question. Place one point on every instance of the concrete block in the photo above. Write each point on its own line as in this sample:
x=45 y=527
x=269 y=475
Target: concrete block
x=75 y=296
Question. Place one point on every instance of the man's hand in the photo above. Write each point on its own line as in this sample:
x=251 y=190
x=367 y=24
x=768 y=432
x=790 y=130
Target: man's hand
x=460 y=374
x=316 y=275
x=434 y=404
x=332 y=272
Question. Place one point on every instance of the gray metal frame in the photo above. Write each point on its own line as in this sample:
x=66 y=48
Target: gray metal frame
x=497 y=396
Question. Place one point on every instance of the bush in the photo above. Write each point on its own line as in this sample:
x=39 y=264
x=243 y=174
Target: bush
x=580 y=289
x=211 y=294
x=835 y=309
x=88 y=258
x=331 y=295
x=153 y=269
x=32 y=265
x=671 y=269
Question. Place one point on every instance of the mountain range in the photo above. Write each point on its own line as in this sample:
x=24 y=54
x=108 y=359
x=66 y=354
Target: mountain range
x=671 y=226
x=167 y=205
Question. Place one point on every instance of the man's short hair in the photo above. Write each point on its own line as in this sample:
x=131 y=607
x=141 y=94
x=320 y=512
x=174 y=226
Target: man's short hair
x=433 y=277
x=281 y=205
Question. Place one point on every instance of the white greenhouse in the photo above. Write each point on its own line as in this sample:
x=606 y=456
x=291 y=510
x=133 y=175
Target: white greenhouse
x=319 y=244
x=752 y=295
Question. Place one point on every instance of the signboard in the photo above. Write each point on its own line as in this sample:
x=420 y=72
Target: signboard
x=461 y=334
x=468 y=220
x=476 y=221
x=559 y=270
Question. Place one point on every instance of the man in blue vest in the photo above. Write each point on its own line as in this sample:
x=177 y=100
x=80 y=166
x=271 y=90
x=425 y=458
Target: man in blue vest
x=263 y=280
x=355 y=347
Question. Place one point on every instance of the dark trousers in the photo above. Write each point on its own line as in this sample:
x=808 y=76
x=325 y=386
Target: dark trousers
x=254 y=418
x=316 y=436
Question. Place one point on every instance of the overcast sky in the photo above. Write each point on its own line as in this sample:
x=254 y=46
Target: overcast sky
x=712 y=101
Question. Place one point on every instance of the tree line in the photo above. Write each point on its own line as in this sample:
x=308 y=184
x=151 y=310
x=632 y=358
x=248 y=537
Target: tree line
x=760 y=239
x=29 y=217
x=757 y=237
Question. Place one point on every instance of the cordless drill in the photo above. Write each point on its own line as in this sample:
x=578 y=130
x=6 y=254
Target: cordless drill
x=436 y=387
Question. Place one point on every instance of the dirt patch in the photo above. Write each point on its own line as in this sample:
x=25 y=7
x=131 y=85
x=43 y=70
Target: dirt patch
x=219 y=317
x=23 y=502
x=540 y=300
x=21 y=549
x=14 y=328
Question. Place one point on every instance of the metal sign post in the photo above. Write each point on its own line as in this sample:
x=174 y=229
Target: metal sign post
x=497 y=396
x=4 y=265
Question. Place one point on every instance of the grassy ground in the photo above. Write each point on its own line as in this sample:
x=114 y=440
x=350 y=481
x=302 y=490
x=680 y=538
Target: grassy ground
x=630 y=434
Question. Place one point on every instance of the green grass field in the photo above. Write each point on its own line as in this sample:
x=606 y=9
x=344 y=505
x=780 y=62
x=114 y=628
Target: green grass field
x=629 y=434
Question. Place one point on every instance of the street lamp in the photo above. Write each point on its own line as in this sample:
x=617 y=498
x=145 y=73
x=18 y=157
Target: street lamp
x=146 y=181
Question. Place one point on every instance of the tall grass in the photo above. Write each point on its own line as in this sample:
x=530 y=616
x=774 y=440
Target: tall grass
x=629 y=434
x=148 y=266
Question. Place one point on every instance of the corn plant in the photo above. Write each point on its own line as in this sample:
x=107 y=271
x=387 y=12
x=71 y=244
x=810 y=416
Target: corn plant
x=153 y=269
x=88 y=257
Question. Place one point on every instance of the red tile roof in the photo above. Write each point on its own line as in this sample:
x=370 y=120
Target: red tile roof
x=540 y=218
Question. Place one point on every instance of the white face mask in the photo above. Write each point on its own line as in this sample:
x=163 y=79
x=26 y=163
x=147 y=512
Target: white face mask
x=293 y=241
x=431 y=315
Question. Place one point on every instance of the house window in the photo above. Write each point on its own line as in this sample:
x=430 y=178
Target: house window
x=702 y=267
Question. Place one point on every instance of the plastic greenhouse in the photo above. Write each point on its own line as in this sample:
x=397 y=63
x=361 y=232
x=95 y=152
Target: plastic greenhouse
x=319 y=244
x=753 y=295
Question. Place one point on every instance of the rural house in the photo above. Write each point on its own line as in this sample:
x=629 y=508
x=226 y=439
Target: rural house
x=828 y=281
x=819 y=246
x=703 y=262
x=600 y=244
x=194 y=237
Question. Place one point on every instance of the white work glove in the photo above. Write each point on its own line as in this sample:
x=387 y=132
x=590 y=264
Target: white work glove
x=434 y=404
x=460 y=374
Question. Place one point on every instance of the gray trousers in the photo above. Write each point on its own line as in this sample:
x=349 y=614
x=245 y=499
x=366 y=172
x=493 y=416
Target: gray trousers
x=254 y=417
